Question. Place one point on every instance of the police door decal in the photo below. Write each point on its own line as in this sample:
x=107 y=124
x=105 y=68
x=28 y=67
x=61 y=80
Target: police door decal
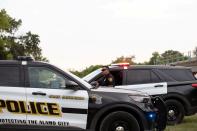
x=65 y=108
x=32 y=108
x=13 y=109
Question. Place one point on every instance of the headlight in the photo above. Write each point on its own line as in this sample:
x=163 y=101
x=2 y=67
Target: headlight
x=141 y=99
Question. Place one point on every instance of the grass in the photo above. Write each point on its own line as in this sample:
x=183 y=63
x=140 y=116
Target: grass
x=189 y=124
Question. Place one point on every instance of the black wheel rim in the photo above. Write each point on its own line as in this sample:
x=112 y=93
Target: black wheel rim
x=120 y=125
x=173 y=113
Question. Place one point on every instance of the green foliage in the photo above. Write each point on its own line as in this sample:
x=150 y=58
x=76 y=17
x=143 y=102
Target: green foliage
x=168 y=56
x=87 y=70
x=7 y=23
x=30 y=44
x=195 y=52
x=172 y=56
x=92 y=68
x=164 y=58
x=12 y=45
x=189 y=124
x=155 y=56
x=124 y=59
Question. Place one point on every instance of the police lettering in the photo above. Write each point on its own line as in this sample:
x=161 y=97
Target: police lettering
x=34 y=108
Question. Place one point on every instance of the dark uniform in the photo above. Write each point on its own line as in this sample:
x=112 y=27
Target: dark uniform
x=107 y=80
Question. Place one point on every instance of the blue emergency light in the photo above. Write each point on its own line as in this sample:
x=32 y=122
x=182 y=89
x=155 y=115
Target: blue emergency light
x=151 y=116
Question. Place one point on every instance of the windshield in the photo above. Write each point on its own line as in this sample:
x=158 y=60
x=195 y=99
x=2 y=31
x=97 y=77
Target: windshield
x=80 y=80
x=92 y=75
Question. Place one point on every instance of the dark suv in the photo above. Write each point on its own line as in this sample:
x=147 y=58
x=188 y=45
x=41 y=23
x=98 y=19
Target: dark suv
x=176 y=85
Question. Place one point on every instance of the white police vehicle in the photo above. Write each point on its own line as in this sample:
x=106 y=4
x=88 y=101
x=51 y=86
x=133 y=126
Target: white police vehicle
x=129 y=77
x=39 y=96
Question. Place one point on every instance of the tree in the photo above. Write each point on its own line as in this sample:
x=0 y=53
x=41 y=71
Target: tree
x=195 y=52
x=155 y=58
x=172 y=56
x=124 y=59
x=12 y=45
x=86 y=71
x=30 y=43
x=7 y=23
x=92 y=68
x=167 y=57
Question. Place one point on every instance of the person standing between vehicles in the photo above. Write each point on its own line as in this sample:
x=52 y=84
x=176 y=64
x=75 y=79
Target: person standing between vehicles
x=195 y=74
x=108 y=78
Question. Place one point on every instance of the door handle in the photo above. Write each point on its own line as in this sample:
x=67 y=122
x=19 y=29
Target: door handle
x=158 y=85
x=39 y=93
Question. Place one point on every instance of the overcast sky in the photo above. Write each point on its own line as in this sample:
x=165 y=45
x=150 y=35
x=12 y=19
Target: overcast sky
x=78 y=33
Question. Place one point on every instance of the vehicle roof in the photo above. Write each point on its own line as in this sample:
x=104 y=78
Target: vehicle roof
x=111 y=67
x=10 y=62
x=150 y=67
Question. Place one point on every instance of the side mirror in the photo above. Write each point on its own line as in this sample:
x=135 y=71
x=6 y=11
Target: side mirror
x=72 y=85
x=94 y=84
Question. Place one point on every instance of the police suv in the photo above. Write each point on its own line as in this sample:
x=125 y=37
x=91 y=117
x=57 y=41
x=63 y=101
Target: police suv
x=176 y=85
x=39 y=96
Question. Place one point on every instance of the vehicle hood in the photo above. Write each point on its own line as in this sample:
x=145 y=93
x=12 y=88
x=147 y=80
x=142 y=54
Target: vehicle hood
x=116 y=90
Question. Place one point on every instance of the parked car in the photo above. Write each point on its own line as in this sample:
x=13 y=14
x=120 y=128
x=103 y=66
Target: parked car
x=39 y=96
x=176 y=85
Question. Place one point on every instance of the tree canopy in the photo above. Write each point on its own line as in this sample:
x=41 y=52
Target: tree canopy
x=86 y=71
x=167 y=57
x=123 y=59
x=13 y=44
x=195 y=52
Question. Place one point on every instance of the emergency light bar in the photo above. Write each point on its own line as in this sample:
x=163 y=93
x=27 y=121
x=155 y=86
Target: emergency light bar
x=25 y=58
x=124 y=65
x=120 y=64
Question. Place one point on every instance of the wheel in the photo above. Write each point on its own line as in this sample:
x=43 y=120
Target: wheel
x=175 y=112
x=119 y=121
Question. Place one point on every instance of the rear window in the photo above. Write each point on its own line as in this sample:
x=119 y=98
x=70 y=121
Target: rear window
x=9 y=76
x=155 y=78
x=141 y=77
x=179 y=74
x=138 y=76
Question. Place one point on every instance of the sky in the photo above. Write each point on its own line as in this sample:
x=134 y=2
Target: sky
x=75 y=34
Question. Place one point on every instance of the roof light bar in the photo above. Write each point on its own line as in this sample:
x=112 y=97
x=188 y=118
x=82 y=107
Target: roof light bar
x=25 y=58
x=120 y=64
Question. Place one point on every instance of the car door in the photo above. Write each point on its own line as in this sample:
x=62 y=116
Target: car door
x=12 y=96
x=143 y=80
x=53 y=102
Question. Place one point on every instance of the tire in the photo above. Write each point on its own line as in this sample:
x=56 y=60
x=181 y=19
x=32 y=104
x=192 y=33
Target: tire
x=118 y=120
x=175 y=112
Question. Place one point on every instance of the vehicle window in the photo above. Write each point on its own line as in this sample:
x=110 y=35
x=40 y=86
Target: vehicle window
x=179 y=74
x=138 y=76
x=118 y=77
x=92 y=75
x=155 y=78
x=97 y=76
x=9 y=76
x=41 y=77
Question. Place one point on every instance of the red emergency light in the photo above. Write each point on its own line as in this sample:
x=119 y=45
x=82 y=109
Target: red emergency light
x=124 y=65
x=194 y=85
